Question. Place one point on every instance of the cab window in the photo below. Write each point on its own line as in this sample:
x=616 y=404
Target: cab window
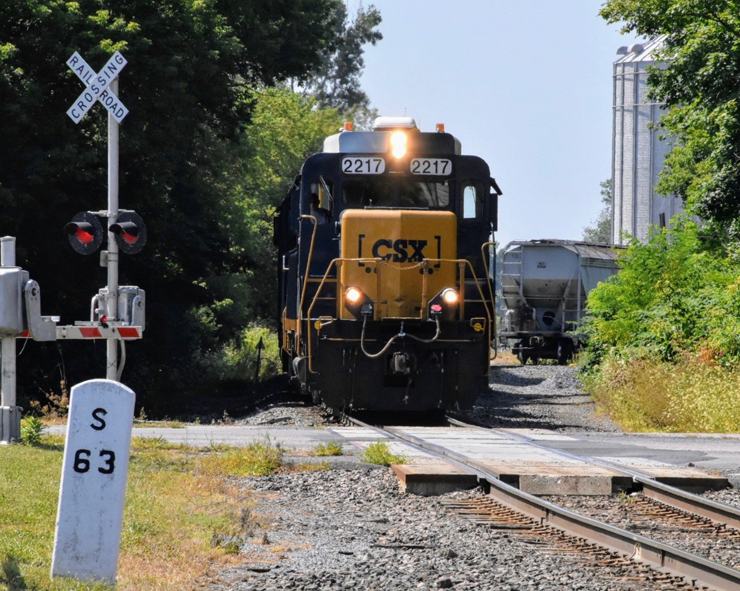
x=399 y=192
x=320 y=200
x=472 y=201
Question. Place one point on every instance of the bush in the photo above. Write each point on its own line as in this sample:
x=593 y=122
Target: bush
x=672 y=295
x=237 y=361
x=31 y=428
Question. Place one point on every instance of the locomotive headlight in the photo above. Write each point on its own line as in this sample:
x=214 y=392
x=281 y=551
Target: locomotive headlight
x=443 y=306
x=357 y=303
x=398 y=144
x=450 y=296
x=352 y=295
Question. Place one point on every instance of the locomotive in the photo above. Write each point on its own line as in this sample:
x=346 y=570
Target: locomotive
x=385 y=298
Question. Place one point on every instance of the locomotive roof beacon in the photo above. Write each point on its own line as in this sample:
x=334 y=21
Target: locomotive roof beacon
x=385 y=299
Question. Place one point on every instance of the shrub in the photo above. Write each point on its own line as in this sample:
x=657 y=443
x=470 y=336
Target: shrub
x=379 y=453
x=31 y=428
x=672 y=295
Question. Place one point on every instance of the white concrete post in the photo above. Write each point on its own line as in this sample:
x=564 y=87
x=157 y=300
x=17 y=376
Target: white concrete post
x=112 y=299
x=10 y=414
x=94 y=472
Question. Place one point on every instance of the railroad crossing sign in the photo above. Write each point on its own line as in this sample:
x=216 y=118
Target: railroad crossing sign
x=97 y=87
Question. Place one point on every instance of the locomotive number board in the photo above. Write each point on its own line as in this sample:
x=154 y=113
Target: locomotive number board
x=431 y=166
x=363 y=165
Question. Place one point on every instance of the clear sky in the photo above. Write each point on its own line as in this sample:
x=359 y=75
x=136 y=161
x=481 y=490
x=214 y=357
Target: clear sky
x=525 y=84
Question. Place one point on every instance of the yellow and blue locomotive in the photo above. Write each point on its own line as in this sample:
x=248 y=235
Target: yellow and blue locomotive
x=385 y=299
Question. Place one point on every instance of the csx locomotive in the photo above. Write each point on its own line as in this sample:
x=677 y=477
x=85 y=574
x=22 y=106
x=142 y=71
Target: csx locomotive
x=385 y=300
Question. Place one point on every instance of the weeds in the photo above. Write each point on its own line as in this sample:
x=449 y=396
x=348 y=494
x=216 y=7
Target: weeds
x=379 y=453
x=259 y=458
x=55 y=406
x=31 y=428
x=690 y=395
x=332 y=448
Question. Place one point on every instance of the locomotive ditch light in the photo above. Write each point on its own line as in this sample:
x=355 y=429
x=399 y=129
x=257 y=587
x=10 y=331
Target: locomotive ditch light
x=357 y=303
x=130 y=232
x=85 y=232
x=398 y=144
x=444 y=304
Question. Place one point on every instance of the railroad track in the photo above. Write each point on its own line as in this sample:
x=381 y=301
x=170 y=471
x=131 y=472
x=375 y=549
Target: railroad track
x=554 y=522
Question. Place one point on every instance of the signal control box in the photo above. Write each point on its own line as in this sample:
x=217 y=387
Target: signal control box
x=12 y=282
x=131 y=306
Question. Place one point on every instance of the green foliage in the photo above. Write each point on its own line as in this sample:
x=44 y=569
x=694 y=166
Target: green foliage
x=601 y=231
x=332 y=448
x=380 y=453
x=285 y=129
x=699 y=85
x=336 y=82
x=31 y=429
x=193 y=68
x=671 y=296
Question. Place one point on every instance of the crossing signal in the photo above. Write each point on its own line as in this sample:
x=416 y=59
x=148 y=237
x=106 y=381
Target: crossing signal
x=85 y=233
x=130 y=232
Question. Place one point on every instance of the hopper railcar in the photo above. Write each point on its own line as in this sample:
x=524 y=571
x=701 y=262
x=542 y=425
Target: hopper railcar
x=545 y=285
x=385 y=300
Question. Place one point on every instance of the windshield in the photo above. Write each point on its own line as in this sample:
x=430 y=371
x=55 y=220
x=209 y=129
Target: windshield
x=396 y=192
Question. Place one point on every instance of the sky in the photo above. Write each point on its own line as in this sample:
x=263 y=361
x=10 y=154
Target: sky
x=526 y=85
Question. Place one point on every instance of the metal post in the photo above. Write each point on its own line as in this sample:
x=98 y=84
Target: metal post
x=112 y=299
x=10 y=415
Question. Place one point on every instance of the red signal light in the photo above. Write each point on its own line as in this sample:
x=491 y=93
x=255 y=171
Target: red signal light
x=85 y=233
x=129 y=231
x=84 y=237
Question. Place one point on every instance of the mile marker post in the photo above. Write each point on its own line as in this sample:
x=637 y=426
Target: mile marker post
x=96 y=453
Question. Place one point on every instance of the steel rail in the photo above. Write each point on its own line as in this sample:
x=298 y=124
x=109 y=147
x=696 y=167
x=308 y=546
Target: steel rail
x=698 y=570
x=663 y=493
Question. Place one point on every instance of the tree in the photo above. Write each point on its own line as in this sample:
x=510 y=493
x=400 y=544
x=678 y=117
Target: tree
x=191 y=66
x=336 y=82
x=601 y=231
x=699 y=84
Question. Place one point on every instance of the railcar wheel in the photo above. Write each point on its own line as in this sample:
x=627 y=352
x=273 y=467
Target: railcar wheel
x=565 y=353
x=523 y=357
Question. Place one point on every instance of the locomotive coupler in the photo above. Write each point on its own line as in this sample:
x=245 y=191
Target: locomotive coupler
x=401 y=363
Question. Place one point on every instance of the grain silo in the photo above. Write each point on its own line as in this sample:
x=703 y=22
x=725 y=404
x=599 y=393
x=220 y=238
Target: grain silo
x=638 y=152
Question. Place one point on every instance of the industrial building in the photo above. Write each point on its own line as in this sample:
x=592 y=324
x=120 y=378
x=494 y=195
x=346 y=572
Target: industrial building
x=638 y=152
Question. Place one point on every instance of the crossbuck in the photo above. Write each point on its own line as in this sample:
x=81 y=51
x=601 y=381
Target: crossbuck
x=97 y=87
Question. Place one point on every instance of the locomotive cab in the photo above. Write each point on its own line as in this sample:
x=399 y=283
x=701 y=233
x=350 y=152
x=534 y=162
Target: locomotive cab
x=385 y=298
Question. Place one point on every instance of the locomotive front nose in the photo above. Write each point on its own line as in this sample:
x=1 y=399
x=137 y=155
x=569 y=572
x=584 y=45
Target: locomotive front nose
x=397 y=259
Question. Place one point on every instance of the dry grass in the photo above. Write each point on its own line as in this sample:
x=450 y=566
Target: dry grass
x=691 y=396
x=505 y=357
x=183 y=519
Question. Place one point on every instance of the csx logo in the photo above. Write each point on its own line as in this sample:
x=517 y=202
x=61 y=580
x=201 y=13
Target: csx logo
x=399 y=251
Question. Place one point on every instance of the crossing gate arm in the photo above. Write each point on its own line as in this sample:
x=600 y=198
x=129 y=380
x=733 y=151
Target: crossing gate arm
x=124 y=333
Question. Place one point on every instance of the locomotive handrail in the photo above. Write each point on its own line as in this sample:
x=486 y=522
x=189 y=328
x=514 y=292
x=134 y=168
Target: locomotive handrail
x=492 y=293
x=305 y=282
x=378 y=261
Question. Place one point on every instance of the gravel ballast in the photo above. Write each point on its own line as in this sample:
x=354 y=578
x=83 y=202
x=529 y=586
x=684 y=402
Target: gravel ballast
x=354 y=529
x=539 y=397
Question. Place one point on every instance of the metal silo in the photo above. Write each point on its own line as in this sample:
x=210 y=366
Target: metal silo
x=638 y=153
